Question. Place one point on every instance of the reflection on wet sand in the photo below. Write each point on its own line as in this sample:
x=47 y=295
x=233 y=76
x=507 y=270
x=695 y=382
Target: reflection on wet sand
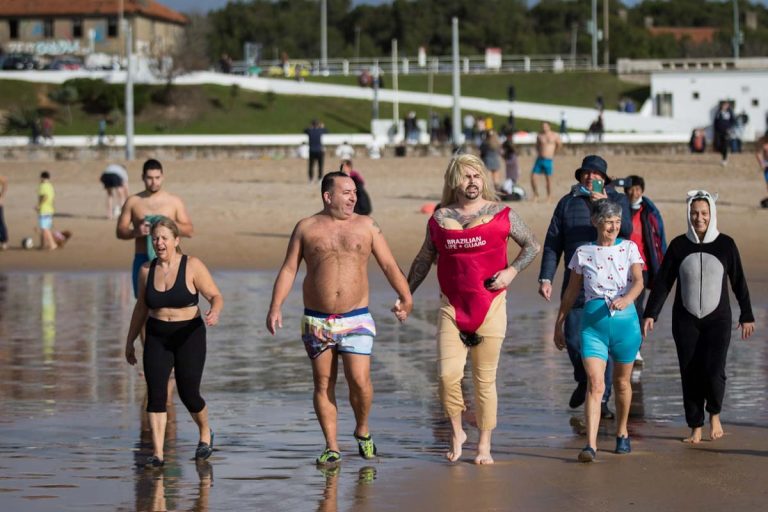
x=329 y=501
x=161 y=490
x=70 y=404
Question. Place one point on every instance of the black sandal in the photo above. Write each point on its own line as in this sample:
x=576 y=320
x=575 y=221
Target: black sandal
x=204 y=450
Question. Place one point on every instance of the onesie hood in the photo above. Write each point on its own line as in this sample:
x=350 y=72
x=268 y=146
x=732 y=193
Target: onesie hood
x=712 y=231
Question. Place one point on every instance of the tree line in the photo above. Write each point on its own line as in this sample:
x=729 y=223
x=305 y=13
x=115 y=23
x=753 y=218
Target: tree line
x=292 y=27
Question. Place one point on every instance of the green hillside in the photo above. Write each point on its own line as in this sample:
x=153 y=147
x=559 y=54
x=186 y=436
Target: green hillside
x=213 y=109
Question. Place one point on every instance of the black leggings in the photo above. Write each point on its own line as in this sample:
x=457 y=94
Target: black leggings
x=319 y=157
x=702 y=349
x=3 y=229
x=180 y=346
x=724 y=143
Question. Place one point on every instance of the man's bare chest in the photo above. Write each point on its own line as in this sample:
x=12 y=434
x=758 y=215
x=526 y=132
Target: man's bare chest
x=338 y=242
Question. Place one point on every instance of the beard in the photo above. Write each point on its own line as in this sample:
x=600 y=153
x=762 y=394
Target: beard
x=472 y=192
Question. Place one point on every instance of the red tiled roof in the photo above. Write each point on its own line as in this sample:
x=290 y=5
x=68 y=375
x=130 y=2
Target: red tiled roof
x=697 y=35
x=146 y=8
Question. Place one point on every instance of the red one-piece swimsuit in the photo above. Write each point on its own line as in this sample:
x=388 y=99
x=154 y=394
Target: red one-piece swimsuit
x=466 y=258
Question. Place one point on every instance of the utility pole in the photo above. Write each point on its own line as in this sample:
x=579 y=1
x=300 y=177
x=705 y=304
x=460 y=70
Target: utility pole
x=606 y=22
x=594 y=34
x=396 y=103
x=324 y=35
x=574 y=39
x=736 y=31
x=357 y=43
x=129 y=150
x=456 y=84
x=375 y=89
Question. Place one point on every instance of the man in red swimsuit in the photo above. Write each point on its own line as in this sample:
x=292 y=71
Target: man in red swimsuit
x=467 y=236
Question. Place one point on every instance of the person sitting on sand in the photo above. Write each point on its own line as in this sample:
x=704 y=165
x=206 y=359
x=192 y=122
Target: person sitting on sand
x=702 y=261
x=468 y=237
x=610 y=272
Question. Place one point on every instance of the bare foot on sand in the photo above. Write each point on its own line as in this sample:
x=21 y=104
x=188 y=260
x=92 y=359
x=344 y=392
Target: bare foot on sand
x=457 y=441
x=695 y=436
x=715 y=427
x=483 y=454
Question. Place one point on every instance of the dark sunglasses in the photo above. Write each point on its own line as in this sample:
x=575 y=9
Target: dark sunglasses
x=470 y=339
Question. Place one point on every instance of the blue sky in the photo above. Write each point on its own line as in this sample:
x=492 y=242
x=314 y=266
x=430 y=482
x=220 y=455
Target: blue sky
x=206 y=5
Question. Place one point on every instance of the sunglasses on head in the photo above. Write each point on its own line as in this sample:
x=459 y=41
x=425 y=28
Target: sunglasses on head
x=470 y=339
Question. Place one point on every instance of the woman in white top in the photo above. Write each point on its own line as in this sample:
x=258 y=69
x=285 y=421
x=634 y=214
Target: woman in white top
x=610 y=271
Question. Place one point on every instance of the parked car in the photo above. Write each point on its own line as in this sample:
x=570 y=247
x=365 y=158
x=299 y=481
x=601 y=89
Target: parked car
x=289 y=70
x=65 y=62
x=18 y=61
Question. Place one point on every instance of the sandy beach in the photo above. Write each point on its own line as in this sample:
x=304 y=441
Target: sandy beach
x=70 y=405
x=244 y=211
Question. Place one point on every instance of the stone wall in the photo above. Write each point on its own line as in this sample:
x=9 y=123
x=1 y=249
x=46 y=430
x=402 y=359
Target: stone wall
x=117 y=153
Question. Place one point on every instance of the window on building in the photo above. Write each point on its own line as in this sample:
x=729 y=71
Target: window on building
x=695 y=95
x=48 y=28
x=13 y=28
x=663 y=104
x=755 y=102
x=112 y=27
x=77 y=28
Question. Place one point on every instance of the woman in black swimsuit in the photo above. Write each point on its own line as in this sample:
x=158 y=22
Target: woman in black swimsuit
x=175 y=333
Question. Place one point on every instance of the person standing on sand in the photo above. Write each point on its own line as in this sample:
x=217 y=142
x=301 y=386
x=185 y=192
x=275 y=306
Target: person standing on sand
x=722 y=124
x=762 y=156
x=547 y=144
x=468 y=237
x=608 y=272
x=166 y=309
x=315 y=133
x=115 y=181
x=648 y=234
x=142 y=209
x=45 y=211
x=336 y=245
x=702 y=261
x=571 y=226
x=3 y=228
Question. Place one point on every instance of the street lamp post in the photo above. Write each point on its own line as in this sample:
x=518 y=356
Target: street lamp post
x=456 y=115
x=606 y=22
x=129 y=149
x=594 y=34
x=324 y=35
x=736 y=31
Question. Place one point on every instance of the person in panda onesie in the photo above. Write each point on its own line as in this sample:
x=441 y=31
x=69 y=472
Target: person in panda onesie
x=702 y=261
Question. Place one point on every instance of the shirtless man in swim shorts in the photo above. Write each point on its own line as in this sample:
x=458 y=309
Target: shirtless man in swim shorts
x=468 y=238
x=336 y=244
x=547 y=144
x=142 y=209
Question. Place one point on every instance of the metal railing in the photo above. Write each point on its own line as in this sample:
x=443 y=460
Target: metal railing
x=411 y=65
x=629 y=66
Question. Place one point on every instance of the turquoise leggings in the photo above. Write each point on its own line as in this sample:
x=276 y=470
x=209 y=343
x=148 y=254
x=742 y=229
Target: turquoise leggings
x=603 y=334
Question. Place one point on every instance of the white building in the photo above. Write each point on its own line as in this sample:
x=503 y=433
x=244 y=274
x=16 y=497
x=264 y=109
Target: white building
x=693 y=97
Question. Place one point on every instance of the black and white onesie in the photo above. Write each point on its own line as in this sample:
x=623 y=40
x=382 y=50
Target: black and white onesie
x=701 y=314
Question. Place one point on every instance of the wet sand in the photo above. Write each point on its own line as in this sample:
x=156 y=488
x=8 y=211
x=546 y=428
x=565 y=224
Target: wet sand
x=70 y=406
x=71 y=409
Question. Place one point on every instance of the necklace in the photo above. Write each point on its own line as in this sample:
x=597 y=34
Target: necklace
x=171 y=266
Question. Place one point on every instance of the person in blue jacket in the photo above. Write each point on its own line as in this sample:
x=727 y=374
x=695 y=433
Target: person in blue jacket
x=571 y=227
x=648 y=234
